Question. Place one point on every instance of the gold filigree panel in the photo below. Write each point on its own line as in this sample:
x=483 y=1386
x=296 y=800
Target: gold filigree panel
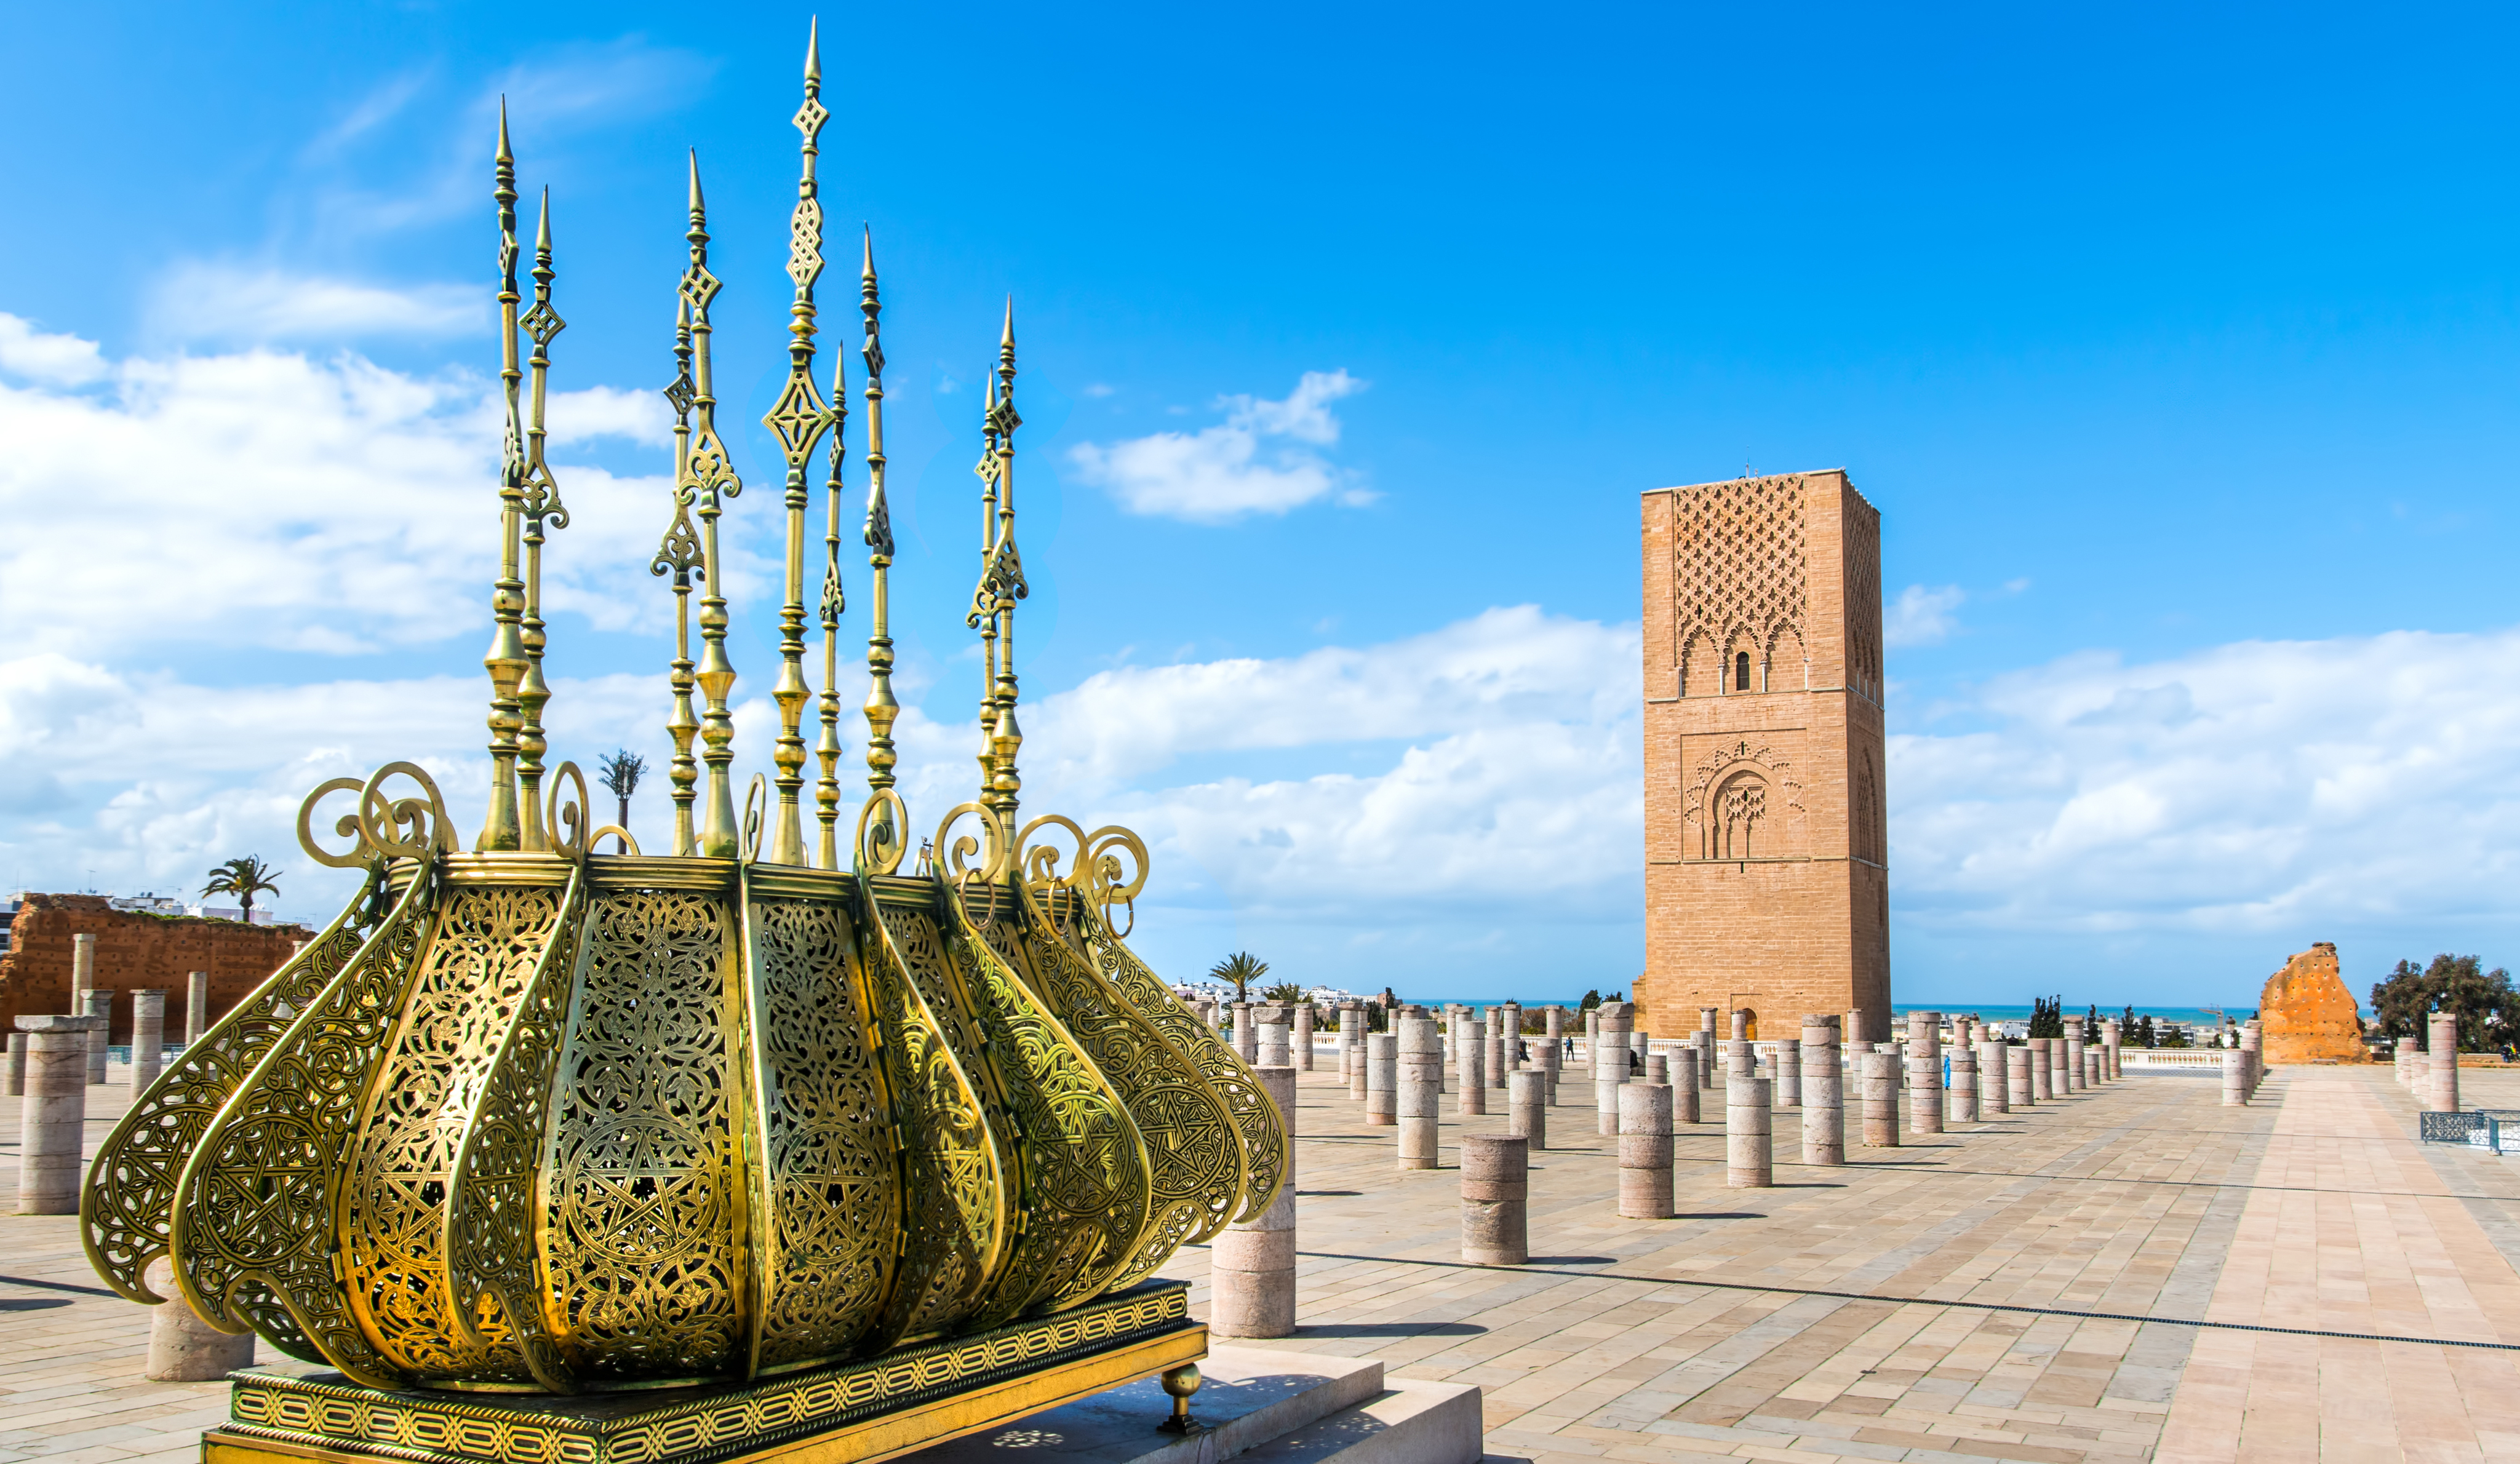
x=493 y=1218
x=644 y=1192
x=829 y=1187
x=1255 y=1116
x=488 y=941
x=127 y=1204
x=252 y=1239
x=1194 y=1157
x=958 y=1169
x=1085 y=1194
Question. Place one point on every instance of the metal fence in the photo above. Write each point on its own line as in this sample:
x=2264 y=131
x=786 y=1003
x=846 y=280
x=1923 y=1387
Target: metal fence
x=2480 y=1127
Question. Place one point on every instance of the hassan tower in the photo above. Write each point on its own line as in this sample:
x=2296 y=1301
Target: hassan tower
x=1767 y=878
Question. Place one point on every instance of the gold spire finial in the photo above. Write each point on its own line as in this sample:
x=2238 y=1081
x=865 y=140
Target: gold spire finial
x=543 y=511
x=1001 y=583
x=680 y=556
x=798 y=419
x=709 y=478
x=507 y=660
x=882 y=710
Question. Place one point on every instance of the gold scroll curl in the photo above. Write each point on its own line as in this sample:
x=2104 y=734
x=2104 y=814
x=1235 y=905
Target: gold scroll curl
x=883 y=822
x=572 y=815
x=382 y=827
x=954 y=856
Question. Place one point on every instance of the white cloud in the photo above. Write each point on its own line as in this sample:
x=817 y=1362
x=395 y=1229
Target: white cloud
x=220 y=302
x=2278 y=787
x=266 y=500
x=1264 y=458
x=56 y=360
x=1920 y=616
x=1488 y=767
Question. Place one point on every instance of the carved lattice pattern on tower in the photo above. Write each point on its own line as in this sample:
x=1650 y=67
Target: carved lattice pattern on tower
x=1863 y=604
x=1738 y=562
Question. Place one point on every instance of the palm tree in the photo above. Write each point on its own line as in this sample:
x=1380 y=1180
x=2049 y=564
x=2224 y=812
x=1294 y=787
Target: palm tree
x=1242 y=968
x=620 y=776
x=243 y=878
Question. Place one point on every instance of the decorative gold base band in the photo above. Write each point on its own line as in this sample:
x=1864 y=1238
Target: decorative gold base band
x=857 y=1412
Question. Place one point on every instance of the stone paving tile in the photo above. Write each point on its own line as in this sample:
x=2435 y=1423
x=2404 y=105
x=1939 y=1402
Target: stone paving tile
x=1810 y=1321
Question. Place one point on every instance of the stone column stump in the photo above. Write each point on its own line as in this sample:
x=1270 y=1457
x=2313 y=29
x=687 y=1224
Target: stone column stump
x=183 y=1348
x=1251 y=1272
x=1684 y=1085
x=1880 y=1100
x=1382 y=1079
x=1526 y=1110
x=53 y=1114
x=1420 y=1059
x=1962 y=1096
x=1644 y=1151
x=1924 y=1071
x=2441 y=1085
x=1824 y=1092
x=1749 y=1134
x=1496 y=1197
x=148 y=1039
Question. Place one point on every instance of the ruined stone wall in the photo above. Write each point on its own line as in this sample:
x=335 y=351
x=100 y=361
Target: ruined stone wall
x=2309 y=1013
x=135 y=951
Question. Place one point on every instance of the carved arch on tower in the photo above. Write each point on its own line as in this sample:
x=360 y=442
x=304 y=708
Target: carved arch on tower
x=1743 y=803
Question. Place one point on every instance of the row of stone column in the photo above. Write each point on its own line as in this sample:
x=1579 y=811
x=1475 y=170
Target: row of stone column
x=2431 y=1075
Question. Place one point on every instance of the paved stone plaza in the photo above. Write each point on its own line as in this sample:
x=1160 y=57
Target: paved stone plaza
x=1974 y=1295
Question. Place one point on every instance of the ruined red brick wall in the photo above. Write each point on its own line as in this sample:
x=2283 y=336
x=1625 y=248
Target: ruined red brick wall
x=134 y=952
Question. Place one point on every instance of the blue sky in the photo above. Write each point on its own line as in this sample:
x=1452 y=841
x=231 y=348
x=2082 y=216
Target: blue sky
x=2175 y=348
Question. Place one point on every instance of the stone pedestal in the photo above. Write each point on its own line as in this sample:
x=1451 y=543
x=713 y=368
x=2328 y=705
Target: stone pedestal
x=1824 y=1092
x=1963 y=1097
x=1496 y=1200
x=1304 y=1038
x=1685 y=1086
x=1251 y=1272
x=148 y=1038
x=1609 y=1062
x=1526 y=1106
x=53 y=1115
x=2440 y=1086
x=197 y=1006
x=183 y=1348
x=1421 y=1062
x=1749 y=1155
x=2235 y=1078
x=1644 y=1151
x=1880 y=1100
x=1789 y=1072
x=1381 y=1078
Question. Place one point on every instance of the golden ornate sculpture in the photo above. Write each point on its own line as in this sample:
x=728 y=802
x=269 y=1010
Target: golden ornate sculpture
x=535 y=1119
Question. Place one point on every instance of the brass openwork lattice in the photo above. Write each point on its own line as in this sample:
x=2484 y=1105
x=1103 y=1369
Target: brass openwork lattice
x=535 y=1118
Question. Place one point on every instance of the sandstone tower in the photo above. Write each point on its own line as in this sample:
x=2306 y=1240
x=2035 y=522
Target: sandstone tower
x=1767 y=879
